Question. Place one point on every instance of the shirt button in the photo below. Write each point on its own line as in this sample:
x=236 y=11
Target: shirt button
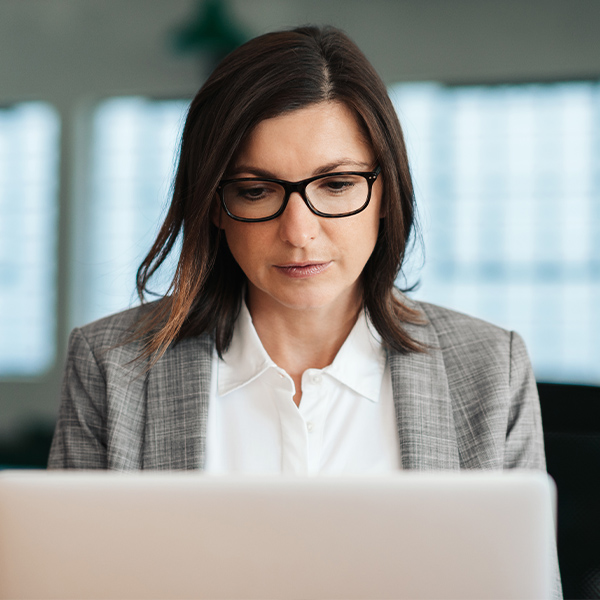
x=310 y=426
x=317 y=378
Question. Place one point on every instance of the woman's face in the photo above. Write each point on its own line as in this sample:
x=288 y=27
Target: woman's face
x=300 y=260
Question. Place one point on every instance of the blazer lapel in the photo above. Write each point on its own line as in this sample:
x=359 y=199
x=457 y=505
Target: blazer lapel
x=177 y=406
x=178 y=396
x=423 y=407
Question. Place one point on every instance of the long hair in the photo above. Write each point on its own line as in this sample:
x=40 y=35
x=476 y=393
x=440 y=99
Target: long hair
x=266 y=77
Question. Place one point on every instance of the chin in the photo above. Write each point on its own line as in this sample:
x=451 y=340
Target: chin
x=312 y=299
x=302 y=302
x=306 y=296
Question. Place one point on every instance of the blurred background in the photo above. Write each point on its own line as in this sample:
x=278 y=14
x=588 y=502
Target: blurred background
x=500 y=102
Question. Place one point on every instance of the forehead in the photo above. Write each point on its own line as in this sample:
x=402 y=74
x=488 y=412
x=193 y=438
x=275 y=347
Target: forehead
x=305 y=139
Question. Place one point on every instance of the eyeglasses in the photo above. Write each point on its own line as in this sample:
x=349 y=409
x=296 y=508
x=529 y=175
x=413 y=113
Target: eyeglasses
x=331 y=195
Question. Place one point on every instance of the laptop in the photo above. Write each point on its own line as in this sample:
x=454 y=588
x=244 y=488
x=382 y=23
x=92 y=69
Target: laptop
x=91 y=535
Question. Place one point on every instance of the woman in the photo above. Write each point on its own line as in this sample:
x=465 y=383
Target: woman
x=283 y=345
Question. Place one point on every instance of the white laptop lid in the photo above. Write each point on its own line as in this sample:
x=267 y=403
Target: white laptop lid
x=186 y=535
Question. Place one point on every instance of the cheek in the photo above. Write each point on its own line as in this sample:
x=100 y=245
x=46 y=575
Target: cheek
x=237 y=244
x=358 y=241
x=371 y=226
x=371 y=233
x=246 y=244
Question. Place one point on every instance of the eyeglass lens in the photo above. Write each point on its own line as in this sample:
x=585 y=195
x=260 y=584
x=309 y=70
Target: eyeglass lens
x=332 y=195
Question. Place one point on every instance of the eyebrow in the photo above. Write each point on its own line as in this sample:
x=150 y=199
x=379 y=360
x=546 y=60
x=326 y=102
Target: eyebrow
x=349 y=164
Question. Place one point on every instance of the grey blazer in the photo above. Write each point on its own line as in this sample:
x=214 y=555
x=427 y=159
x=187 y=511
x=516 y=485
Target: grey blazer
x=470 y=402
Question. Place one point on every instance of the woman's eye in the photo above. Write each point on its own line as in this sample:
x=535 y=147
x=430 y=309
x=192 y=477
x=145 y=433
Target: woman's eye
x=253 y=192
x=338 y=185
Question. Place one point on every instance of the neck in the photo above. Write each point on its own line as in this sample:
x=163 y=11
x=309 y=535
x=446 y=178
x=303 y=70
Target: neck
x=298 y=340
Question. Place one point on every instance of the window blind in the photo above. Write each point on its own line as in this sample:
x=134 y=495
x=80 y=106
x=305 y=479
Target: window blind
x=508 y=184
x=29 y=161
x=134 y=152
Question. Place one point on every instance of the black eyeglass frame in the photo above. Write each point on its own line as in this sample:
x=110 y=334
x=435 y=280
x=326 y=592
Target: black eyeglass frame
x=300 y=186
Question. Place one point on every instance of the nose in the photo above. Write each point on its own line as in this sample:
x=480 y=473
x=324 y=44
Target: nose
x=298 y=225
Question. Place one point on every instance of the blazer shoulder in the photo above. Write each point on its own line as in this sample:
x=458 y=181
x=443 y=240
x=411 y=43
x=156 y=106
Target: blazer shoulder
x=113 y=330
x=458 y=329
x=472 y=348
x=480 y=355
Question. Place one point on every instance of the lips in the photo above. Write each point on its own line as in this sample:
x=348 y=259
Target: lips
x=302 y=270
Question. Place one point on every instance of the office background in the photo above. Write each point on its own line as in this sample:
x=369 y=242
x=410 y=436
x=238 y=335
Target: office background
x=500 y=102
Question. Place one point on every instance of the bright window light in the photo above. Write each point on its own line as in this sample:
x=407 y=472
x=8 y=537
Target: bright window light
x=134 y=152
x=508 y=185
x=29 y=161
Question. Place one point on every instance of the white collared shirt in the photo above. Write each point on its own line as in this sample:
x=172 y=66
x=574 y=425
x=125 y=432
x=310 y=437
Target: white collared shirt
x=345 y=422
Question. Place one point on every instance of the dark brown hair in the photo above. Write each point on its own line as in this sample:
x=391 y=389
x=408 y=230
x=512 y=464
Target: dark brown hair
x=268 y=76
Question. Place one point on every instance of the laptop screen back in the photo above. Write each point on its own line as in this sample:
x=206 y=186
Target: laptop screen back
x=186 y=535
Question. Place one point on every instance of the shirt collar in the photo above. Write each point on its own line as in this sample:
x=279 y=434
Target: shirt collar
x=245 y=359
x=359 y=364
x=361 y=360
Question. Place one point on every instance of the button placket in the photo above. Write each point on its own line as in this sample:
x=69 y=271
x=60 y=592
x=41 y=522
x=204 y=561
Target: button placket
x=313 y=409
x=294 y=447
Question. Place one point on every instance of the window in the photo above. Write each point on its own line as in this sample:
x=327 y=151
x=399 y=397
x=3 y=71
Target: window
x=508 y=187
x=29 y=160
x=134 y=152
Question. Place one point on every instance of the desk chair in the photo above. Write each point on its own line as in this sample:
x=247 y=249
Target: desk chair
x=571 y=420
